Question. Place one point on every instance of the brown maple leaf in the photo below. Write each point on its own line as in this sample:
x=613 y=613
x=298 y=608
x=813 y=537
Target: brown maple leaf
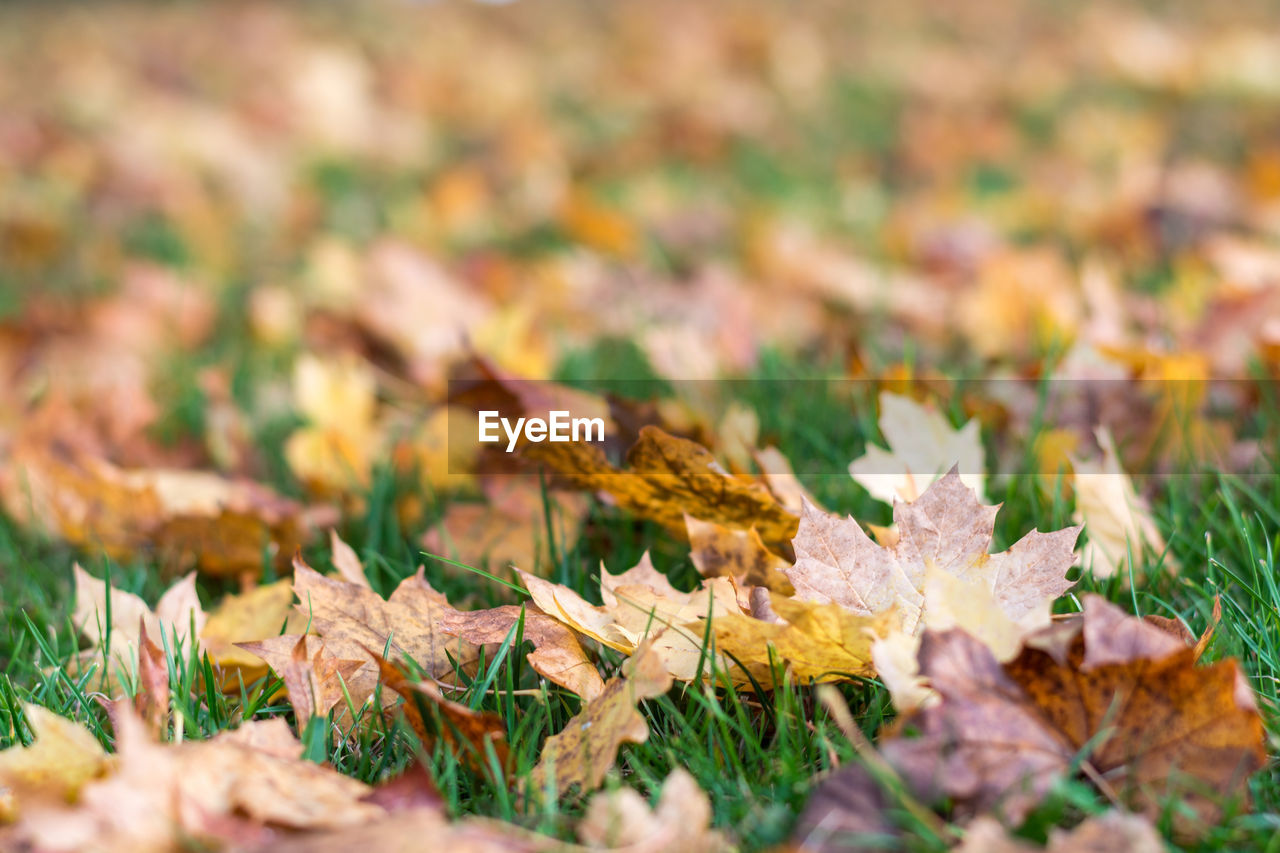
x=1113 y=690
x=315 y=676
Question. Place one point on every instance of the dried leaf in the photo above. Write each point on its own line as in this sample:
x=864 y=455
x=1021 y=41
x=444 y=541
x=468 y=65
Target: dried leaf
x=1154 y=723
x=557 y=655
x=234 y=789
x=640 y=603
x=152 y=699
x=119 y=638
x=819 y=642
x=668 y=477
x=945 y=529
x=188 y=517
x=346 y=562
x=922 y=447
x=511 y=530
x=1114 y=516
x=680 y=823
x=1112 y=832
x=951 y=602
x=584 y=751
x=257 y=613
x=315 y=677
x=782 y=480
x=354 y=616
x=471 y=735
x=718 y=551
x=62 y=758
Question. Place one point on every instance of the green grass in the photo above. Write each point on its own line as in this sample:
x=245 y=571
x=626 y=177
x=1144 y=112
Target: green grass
x=758 y=753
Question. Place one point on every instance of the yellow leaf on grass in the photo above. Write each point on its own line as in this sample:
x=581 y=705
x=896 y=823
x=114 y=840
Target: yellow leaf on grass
x=819 y=642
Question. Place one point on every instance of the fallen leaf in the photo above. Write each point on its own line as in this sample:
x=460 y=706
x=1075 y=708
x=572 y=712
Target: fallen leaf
x=818 y=641
x=1111 y=832
x=408 y=623
x=511 y=529
x=334 y=452
x=315 y=678
x=1114 y=516
x=946 y=529
x=782 y=480
x=922 y=447
x=233 y=790
x=668 y=477
x=186 y=517
x=679 y=823
x=587 y=747
x=471 y=735
x=349 y=567
x=641 y=604
x=557 y=655
x=261 y=612
x=62 y=758
x=950 y=602
x=718 y=551
x=114 y=629
x=152 y=699
x=1150 y=722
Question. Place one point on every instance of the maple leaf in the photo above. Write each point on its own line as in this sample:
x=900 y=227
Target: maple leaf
x=1111 y=832
x=557 y=655
x=781 y=479
x=418 y=622
x=1115 y=517
x=679 y=823
x=1122 y=694
x=237 y=789
x=952 y=603
x=187 y=517
x=152 y=699
x=262 y=611
x=315 y=677
x=668 y=477
x=641 y=604
x=345 y=560
x=350 y=617
x=334 y=451
x=922 y=447
x=587 y=747
x=946 y=529
x=118 y=638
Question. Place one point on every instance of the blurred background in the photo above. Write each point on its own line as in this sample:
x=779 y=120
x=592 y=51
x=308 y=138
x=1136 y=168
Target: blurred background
x=259 y=238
